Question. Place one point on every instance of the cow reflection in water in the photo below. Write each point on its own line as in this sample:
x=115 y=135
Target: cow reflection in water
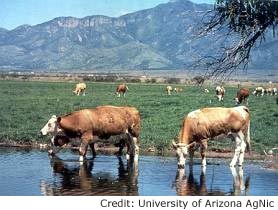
x=188 y=185
x=81 y=181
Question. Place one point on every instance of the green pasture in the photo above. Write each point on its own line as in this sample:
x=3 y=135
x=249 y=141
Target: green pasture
x=25 y=107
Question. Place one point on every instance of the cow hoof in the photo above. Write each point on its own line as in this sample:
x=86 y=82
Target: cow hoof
x=127 y=156
x=81 y=159
x=180 y=166
x=51 y=153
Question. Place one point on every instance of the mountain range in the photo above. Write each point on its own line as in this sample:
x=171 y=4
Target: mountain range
x=158 y=38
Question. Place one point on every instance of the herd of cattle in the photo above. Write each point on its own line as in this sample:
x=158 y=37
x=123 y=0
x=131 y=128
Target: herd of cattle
x=104 y=122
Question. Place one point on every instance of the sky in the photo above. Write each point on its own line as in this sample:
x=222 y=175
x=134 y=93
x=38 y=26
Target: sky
x=14 y=13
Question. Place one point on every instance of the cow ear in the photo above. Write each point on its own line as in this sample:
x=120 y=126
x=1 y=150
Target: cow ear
x=59 y=119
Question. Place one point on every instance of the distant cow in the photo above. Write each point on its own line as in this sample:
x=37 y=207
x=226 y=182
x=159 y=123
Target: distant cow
x=80 y=88
x=242 y=95
x=203 y=124
x=274 y=92
x=122 y=88
x=220 y=92
x=98 y=124
x=169 y=89
x=268 y=91
x=177 y=89
x=259 y=91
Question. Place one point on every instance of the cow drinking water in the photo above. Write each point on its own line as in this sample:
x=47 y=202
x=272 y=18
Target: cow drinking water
x=92 y=125
x=203 y=124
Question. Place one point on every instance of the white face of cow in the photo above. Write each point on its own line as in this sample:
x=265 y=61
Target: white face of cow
x=181 y=153
x=50 y=127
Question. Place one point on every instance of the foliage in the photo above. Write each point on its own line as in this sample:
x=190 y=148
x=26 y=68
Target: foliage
x=246 y=21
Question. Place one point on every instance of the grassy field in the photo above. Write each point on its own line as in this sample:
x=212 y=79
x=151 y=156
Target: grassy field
x=27 y=106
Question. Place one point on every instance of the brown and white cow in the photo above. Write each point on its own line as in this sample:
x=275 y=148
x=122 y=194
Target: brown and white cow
x=92 y=125
x=169 y=89
x=274 y=91
x=259 y=91
x=220 y=92
x=203 y=124
x=80 y=88
x=178 y=89
x=122 y=88
x=242 y=95
x=268 y=91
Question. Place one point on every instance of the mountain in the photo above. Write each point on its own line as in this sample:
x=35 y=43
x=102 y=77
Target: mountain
x=156 y=38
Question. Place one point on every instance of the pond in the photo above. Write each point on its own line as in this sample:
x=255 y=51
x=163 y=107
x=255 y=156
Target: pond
x=31 y=172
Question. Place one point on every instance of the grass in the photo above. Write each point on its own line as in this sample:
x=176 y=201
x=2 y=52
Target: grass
x=27 y=106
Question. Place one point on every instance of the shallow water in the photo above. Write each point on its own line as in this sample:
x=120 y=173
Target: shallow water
x=31 y=172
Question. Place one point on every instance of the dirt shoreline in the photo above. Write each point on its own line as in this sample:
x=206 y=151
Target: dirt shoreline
x=269 y=161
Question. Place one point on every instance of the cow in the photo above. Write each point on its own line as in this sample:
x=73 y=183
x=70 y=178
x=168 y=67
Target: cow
x=177 y=89
x=203 y=124
x=242 y=95
x=80 y=88
x=169 y=89
x=122 y=88
x=274 y=92
x=220 y=92
x=93 y=125
x=268 y=91
x=259 y=91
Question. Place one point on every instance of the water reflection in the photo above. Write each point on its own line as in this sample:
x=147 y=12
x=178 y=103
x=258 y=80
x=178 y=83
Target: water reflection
x=189 y=185
x=80 y=180
x=240 y=187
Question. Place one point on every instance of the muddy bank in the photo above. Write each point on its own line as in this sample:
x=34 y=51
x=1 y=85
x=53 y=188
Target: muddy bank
x=269 y=161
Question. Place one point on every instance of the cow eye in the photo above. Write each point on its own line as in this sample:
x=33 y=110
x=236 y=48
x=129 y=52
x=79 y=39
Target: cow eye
x=49 y=125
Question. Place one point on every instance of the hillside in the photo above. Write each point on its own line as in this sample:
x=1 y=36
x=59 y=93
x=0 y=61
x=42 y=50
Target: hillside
x=156 y=38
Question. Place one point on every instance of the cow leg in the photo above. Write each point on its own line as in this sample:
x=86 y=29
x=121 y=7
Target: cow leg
x=204 y=146
x=85 y=139
x=82 y=151
x=239 y=137
x=136 y=148
x=191 y=155
x=121 y=146
x=241 y=154
x=92 y=146
x=130 y=148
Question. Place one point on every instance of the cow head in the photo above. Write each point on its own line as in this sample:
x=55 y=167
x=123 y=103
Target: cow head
x=181 y=152
x=50 y=127
x=236 y=101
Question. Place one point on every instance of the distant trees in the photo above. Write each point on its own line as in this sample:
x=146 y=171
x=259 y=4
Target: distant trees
x=247 y=22
x=199 y=80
